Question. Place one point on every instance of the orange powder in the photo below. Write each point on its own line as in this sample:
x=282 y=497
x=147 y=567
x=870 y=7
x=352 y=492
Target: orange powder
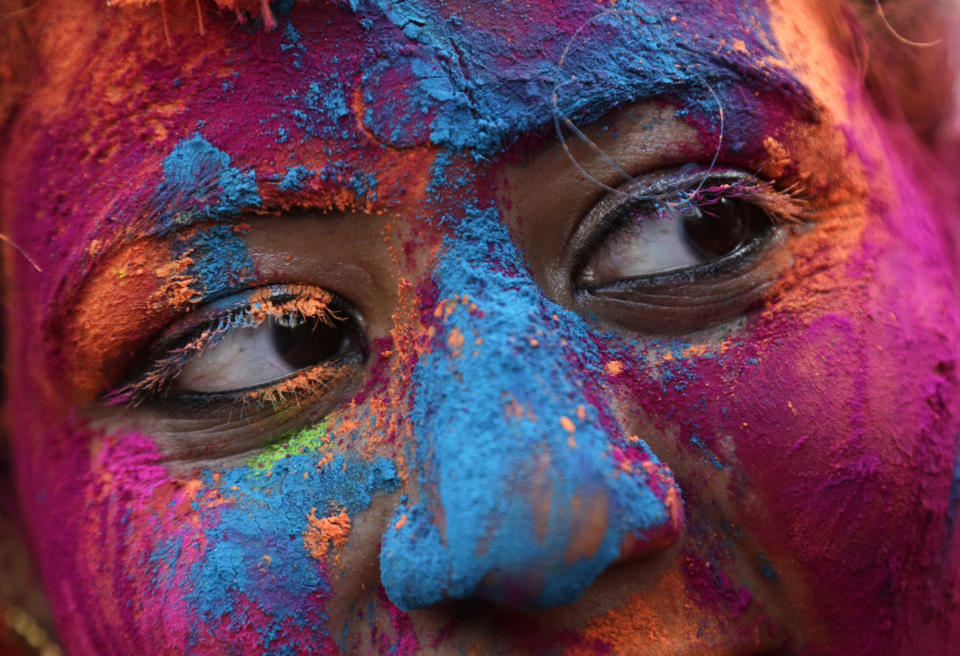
x=664 y=616
x=325 y=532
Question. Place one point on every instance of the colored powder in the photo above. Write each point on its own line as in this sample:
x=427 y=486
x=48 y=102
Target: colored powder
x=324 y=533
x=199 y=184
x=479 y=92
x=295 y=178
x=493 y=473
x=268 y=516
x=307 y=440
x=218 y=258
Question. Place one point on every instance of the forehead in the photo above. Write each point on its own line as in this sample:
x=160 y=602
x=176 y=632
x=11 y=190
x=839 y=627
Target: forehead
x=345 y=104
x=452 y=74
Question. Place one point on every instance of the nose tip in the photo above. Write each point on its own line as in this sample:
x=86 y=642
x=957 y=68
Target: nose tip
x=520 y=492
x=522 y=487
x=537 y=537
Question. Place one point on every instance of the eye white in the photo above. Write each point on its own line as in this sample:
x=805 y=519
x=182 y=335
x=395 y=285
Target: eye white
x=243 y=357
x=645 y=247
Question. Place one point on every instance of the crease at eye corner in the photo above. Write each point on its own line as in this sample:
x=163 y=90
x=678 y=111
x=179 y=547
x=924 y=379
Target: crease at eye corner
x=289 y=306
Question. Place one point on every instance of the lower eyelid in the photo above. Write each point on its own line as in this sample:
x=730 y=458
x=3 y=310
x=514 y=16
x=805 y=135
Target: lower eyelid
x=688 y=301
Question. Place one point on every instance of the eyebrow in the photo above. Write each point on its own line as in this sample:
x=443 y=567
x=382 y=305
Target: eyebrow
x=195 y=168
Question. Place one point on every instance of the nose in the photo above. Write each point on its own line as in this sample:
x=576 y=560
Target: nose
x=522 y=487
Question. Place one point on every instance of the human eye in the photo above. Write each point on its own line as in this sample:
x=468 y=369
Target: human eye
x=246 y=363
x=676 y=252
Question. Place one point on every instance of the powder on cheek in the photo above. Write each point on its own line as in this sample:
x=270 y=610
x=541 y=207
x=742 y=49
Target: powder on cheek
x=324 y=533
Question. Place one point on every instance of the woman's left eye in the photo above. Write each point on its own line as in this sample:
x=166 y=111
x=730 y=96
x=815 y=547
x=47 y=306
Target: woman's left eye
x=676 y=252
x=674 y=238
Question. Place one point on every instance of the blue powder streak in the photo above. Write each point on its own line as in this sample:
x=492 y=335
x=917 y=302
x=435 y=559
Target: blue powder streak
x=295 y=178
x=220 y=259
x=477 y=459
x=200 y=185
x=267 y=517
x=479 y=91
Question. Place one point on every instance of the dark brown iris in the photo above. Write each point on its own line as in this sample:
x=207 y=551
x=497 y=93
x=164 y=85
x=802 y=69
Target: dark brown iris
x=718 y=229
x=310 y=342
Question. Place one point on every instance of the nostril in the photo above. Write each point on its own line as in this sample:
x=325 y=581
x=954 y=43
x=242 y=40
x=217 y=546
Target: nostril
x=514 y=546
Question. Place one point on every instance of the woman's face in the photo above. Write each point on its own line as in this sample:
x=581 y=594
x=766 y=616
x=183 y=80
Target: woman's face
x=478 y=328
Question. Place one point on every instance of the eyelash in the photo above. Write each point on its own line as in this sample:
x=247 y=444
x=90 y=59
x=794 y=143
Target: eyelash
x=782 y=207
x=288 y=305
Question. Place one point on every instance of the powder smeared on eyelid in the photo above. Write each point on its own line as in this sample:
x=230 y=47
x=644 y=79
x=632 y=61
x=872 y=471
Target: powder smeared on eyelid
x=304 y=301
x=292 y=305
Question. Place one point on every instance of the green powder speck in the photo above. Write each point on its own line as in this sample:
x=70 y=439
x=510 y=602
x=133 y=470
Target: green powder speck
x=305 y=440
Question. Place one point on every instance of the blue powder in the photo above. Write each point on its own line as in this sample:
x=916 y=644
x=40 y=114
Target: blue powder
x=268 y=517
x=707 y=453
x=767 y=569
x=362 y=183
x=293 y=44
x=324 y=110
x=200 y=185
x=220 y=259
x=293 y=39
x=478 y=458
x=295 y=178
x=481 y=91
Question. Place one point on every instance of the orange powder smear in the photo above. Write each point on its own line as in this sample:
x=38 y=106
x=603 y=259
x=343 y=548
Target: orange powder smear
x=587 y=538
x=455 y=342
x=307 y=301
x=128 y=278
x=613 y=368
x=324 y=533
x=663 y=620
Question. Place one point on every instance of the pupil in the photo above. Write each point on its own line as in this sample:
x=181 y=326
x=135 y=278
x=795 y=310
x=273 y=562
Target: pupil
x=719 y=230
x=308 y=343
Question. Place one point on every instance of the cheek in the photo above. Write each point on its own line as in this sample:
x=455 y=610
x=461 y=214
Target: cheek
x=827 y=425
x=99 y=525
x=246 y=557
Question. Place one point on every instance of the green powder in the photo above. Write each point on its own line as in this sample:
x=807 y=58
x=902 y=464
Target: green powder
x=305 y=440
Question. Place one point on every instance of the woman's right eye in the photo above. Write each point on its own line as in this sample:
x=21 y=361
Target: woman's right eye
x=271 y=346
x=250 y=357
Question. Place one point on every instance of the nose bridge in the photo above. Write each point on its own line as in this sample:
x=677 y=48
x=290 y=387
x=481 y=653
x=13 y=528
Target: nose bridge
x=517 y=492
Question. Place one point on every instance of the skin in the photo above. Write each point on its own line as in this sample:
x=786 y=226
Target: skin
x=511 y=466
